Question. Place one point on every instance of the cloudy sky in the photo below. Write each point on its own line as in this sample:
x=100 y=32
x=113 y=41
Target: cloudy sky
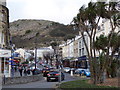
x=61 y=11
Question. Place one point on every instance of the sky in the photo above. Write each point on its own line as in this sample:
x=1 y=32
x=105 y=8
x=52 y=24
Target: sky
x=61 y=11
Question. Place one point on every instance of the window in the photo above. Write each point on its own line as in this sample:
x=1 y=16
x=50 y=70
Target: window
x=98 y=28
x=82 y=51
x=79 y=52
x=80 y=44
x=2 y=37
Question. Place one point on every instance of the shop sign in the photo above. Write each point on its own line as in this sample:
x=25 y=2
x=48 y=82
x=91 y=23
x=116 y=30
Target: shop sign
x=5 y=53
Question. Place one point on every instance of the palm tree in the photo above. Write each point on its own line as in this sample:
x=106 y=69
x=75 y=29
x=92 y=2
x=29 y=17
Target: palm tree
x=87 y=21
x=101 y=43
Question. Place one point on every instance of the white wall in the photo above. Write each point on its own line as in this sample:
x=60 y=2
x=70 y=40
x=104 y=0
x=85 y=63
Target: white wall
x=71 y=49
x=0 y=65
x=41 y=51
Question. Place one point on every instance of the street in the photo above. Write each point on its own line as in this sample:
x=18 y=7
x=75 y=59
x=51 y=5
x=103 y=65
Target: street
x=42 y=84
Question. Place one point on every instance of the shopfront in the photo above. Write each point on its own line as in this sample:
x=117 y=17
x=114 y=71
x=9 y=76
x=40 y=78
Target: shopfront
x=4 y=62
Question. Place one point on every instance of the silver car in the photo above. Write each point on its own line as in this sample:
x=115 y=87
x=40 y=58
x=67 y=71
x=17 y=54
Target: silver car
x=66 y=69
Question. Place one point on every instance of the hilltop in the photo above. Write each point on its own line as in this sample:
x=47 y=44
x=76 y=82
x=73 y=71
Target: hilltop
x=24 y=32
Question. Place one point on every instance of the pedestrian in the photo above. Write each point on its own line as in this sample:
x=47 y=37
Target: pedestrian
x=15 y=68
x=33 y=72
x=25 y=72
x=20 y=70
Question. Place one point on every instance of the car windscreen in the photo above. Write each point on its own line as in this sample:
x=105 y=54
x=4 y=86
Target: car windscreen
x=54 y=72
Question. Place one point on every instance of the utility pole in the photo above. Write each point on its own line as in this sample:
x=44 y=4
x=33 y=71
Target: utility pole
x=12 y=57
x=35 y=57
x=36 y=50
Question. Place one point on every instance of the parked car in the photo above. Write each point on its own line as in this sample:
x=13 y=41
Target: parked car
x=66 y=69
x=78 y=71
x=55 y=75
x=85 y=72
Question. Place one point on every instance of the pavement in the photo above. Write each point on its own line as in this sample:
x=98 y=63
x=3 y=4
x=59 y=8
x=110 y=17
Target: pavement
x=43 y=83
x=17 y=74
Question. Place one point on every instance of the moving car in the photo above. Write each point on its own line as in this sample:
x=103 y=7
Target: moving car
x=55 y=75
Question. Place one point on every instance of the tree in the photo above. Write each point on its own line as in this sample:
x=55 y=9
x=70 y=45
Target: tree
x=87 y=21
x=55 y=46
x=48 y=56
x=100 y=45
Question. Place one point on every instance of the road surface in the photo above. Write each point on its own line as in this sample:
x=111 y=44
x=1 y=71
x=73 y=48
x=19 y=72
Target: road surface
x=42 y=84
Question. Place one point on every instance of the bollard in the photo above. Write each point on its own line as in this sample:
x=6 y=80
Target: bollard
x=4 y=79
x=71 y=72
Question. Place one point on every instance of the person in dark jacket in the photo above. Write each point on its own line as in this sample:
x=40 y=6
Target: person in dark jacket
x=20 y=70
x=33 y=72
x=25 y=72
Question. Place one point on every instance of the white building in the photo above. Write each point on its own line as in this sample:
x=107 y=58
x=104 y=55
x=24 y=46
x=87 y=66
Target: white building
x=79 y=47
x=104 y=28
x=71 y=48
x=42 y=51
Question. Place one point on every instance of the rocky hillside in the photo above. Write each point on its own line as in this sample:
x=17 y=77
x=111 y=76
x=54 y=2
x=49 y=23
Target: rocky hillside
x=25 y=32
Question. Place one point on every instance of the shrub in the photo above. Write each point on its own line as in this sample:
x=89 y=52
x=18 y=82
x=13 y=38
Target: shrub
x=28 y=31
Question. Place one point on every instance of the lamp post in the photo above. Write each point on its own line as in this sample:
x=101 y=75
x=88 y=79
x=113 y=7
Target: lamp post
x=36 y=50
x=12 y=57
x=35 y=57
x=35 y=53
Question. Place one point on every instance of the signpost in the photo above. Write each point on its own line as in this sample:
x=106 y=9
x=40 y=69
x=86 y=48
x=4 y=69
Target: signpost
x=5 y=54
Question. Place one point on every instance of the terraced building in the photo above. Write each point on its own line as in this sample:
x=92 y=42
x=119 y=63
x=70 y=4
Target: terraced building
x=5 y=53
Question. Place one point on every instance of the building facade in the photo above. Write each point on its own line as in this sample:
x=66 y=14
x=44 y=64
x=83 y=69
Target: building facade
x=5 y=53
x=79 y=49
x=76 y=46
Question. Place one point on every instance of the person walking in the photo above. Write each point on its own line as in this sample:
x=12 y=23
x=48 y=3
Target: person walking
x=25 y=72
x=20 y=70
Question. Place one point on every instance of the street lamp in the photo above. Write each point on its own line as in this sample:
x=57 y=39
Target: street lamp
x=35 y=53
x=36 y=50
x=35 y=57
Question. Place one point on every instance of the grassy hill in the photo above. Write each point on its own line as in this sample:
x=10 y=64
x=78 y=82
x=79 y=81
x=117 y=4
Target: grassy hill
x=24 y=32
